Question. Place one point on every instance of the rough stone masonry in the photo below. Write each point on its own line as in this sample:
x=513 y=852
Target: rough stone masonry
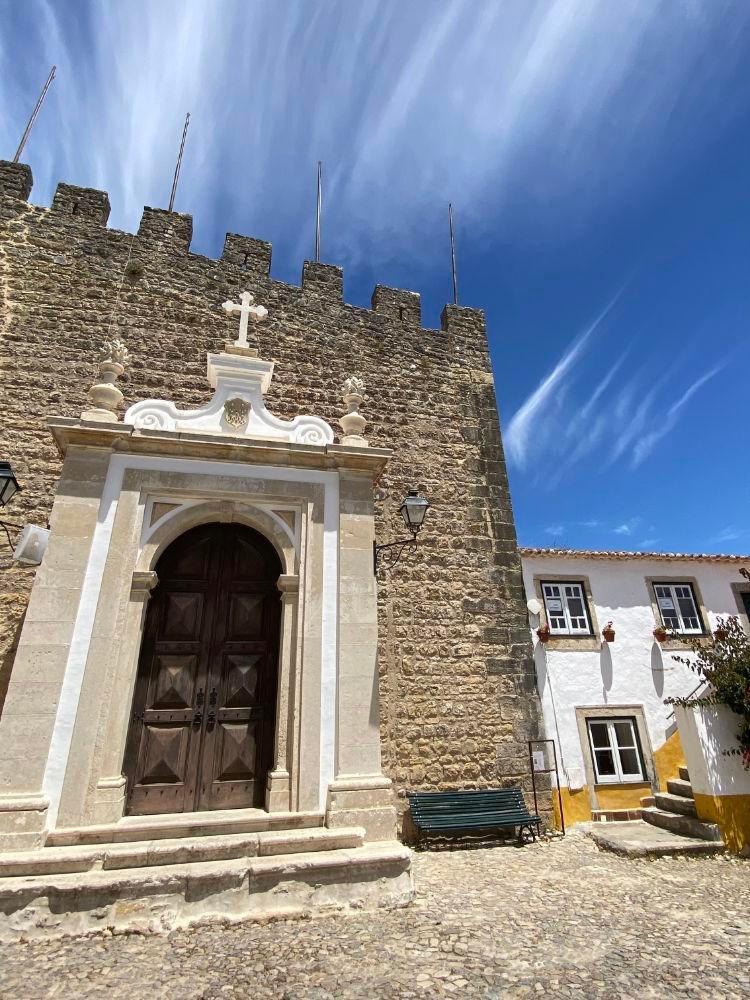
x=457 y=687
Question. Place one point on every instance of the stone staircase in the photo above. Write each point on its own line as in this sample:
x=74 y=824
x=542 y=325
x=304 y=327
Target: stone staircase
x=674 y=810
x=669 y=825
x=156 y=873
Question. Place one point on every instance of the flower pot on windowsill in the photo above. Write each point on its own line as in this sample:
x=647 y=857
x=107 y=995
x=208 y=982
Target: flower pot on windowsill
x=608 y=632
x=661 y=634
x=543 y=633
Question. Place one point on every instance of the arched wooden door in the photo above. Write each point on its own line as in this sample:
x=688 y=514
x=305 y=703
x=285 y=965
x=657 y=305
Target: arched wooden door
x=204 y=707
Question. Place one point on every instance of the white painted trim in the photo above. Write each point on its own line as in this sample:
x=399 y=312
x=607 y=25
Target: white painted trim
x=62 y=734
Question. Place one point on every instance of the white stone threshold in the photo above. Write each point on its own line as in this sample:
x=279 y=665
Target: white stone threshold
x=196 y=824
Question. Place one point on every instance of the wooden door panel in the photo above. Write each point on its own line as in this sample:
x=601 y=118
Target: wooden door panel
x=182 y=617
x=164 y=753
x=236 y=751
x=246 y=616
x=205 y=697
x=190 y=562
x=174 y=687
x=241 y=678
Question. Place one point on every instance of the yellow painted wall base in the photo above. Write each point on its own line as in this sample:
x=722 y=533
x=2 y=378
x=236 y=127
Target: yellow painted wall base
x=732 y=813
x=576 y=807
x=668 y=760
x=622 y=796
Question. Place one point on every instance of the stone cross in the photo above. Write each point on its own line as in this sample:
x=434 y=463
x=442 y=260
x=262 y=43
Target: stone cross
x=245 y=310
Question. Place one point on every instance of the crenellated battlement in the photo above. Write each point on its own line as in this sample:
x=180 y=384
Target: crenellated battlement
x=171 y=233
x=85 y=204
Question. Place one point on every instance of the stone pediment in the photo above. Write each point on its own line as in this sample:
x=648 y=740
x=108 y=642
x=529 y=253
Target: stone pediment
x=237 y=407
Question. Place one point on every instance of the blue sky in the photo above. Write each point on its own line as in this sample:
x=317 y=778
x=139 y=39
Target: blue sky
x=597 y=155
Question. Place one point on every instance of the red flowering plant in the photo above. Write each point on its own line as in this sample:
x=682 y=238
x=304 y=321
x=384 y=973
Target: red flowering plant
x=724 y=665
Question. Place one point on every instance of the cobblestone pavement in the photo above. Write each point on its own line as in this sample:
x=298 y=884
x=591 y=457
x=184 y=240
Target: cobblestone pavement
x=551 y=920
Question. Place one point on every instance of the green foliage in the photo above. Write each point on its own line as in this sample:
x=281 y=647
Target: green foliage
x=724 y=665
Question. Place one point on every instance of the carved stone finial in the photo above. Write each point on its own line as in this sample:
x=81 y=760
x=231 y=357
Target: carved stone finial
x=352 y=422
x=105 y=395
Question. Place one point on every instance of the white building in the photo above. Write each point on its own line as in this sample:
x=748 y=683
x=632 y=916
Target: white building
x=616 y=740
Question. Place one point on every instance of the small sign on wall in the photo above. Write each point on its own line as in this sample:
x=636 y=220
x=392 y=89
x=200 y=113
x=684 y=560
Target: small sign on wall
x=537 y=757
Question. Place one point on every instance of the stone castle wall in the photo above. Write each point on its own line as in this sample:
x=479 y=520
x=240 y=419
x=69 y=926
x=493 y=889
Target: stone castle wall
x=457 y=687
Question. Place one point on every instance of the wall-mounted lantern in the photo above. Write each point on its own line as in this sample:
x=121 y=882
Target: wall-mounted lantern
x=8 y=483
x=8 y=489
x=412 y=510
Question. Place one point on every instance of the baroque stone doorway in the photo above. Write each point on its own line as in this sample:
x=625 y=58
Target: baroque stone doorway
x=202 y=728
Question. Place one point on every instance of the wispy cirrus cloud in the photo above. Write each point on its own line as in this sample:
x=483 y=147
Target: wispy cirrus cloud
x=646 y=444
x=562 y=422
x=532 y=420
x=408 y=105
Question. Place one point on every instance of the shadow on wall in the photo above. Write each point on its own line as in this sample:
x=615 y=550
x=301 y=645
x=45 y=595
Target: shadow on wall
x=657 y=668
x=605 y=659
x=540 y=662
x=7 y=659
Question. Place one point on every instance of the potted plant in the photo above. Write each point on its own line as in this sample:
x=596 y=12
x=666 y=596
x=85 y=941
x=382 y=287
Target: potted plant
x=660 y=633
x=608 y=632
x=543 y=632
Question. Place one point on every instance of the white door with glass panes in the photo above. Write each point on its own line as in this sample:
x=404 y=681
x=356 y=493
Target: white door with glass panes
x=614 y=749
x=565 y=606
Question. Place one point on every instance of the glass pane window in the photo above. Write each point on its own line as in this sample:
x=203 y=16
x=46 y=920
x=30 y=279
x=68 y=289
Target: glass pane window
x=678 y=607
x=614 y=749
x=565 y=605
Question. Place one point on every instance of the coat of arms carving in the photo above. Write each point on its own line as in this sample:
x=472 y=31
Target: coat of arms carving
x=236 y=412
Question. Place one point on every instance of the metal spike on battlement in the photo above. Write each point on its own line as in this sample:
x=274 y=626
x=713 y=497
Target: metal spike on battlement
x=83 y=203
x=16 y=180
x=170 y=228
x=323 y=279
x=397 y=303
x=250 y=255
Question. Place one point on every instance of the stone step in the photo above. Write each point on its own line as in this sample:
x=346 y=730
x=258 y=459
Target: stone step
x=641 y=840
x=688 y=826
x=183 y=850
x=647 y=800
x=678 y=786
x=169 y=896
x=167 y=826
x=674 y=803
x=684 y=774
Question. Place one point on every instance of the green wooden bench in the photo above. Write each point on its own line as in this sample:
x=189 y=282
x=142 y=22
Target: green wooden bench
x=463 y=811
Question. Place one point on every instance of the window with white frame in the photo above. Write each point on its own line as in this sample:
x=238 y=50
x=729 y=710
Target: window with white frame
x=615 y=750
x=678 y=607
x=565 y=606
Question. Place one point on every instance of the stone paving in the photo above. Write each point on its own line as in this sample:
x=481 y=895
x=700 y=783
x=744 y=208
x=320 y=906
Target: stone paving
x=557 y=919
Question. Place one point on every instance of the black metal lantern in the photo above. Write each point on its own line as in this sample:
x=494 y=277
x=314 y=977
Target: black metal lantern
x=8 y=483
x=412 y=510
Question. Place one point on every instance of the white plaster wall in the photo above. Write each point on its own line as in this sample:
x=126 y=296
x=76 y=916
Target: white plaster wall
x=705 y=733
x=634 y=670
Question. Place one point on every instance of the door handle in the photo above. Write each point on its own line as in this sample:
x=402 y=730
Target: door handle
x=213 y=696
x=200 y=697
x=211 y=720
x=198 y=718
